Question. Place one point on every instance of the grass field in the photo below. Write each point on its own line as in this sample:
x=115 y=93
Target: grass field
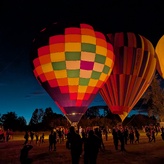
x=142 y=153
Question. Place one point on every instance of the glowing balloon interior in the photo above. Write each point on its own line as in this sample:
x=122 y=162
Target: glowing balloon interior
x=159 y=49
x=133 y=71
x=72 y=65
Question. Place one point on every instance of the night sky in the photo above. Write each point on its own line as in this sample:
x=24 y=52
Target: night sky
x=21 y=20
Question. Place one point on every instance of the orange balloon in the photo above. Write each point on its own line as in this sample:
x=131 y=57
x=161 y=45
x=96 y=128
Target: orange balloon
x=133 y=71
x=159 y=50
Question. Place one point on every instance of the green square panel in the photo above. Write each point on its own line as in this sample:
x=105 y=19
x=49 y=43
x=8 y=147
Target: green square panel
x=72 y=56
x=100 y=59
x=106 y=69
x=88 y=47
x=95 y=75
x=59 y=65
x=84 y=81
x=73 y=73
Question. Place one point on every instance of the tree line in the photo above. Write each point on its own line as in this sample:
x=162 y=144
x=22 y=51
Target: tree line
x=152 y=103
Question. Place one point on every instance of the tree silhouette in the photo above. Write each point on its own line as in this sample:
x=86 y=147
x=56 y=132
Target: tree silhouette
x=154 y=99
x=21 y=123
x=11 y=121
x=36 y=119
x=47 y=119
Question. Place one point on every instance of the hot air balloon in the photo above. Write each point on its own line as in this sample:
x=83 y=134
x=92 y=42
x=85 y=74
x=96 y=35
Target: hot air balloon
x=72 y=62
x=159 y=50
x=133 y=71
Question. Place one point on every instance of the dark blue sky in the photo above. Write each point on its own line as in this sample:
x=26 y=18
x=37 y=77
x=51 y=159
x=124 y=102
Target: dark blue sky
x=20 y=20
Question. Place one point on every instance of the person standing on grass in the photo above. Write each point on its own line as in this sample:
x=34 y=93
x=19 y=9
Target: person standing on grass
x=126 y=135
x=115 y=137
x=152 y=135
x=121 y=138
x=74 y=143
x=24 y=159
x=137 y=135
x=31 y=136
x=26 y=136
x=92 y=145
x=37 y=138
x=131 y=136
x=51 y=139
x=162 y=133
x=54 y=139
x=99 y=134
x=41 y=139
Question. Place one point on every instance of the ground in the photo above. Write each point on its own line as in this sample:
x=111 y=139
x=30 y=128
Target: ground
x=142 y=153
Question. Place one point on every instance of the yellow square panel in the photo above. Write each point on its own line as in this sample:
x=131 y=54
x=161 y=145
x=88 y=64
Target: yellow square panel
x=82 y=89
x=101 y=50
x=47 y=67
x=60 y=74
x=98 y=67
x=108 y=62
x=92 y=82
x=88 y=39
x=74 y=47
x=73 y=81
x=58 y=56
x=72 y=65
x=85 y=73
x=88 y=56
x=103 y=76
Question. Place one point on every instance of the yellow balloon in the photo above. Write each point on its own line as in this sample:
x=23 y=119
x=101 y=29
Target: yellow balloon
x=159 y=50
x=123 y=116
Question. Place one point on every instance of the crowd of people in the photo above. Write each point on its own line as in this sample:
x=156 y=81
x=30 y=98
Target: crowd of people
x=91 y=142
x=6 y=135
x=87 y=142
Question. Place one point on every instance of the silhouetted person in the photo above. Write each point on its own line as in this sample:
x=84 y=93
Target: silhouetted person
x=126 y=135
x=74 y=143
x=54 y=139
x=152 y=135
x=60 y=135
x=37 y=137
x=148 y=134
x=162 y=134
x=24 y=159
x=131 y=136
x=121 y=138
x=42 y=138
x=26 y=136
x=51 y=141
x=91 y=148
x=137 y=135
x=99 y=134
x=7 y=135
x=105 y=131
x=115 y=137
x=31 y=136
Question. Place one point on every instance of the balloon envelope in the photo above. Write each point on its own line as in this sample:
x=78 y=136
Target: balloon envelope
x=132 y=73
x=159 y=50
x=72 y=63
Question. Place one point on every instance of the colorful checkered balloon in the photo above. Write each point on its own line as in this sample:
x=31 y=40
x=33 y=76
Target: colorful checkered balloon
x=71 y=64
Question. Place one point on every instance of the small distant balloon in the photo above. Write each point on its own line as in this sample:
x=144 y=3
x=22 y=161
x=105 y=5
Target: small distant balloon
x=133 y=71
x=159 y=50
x=72 y=62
